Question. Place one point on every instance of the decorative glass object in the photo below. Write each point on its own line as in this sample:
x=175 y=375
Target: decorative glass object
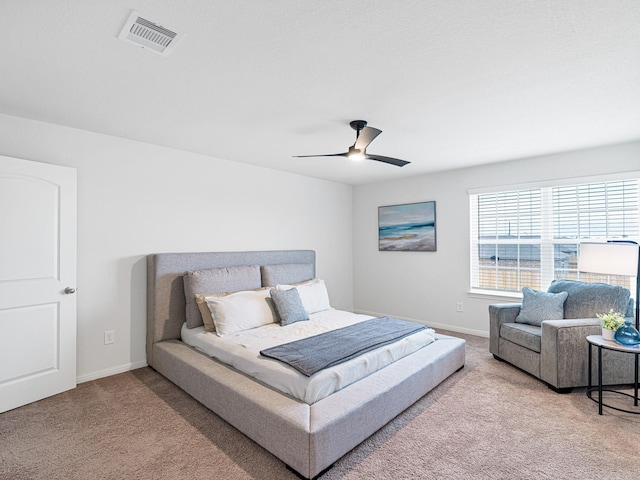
x=627 y=334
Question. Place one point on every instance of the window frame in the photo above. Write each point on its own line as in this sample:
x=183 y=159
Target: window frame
x=546 y=241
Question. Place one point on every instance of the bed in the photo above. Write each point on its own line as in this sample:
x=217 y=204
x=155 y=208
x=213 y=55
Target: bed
x=308 y=438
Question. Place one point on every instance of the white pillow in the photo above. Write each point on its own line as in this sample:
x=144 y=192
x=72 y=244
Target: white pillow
x=241 y=311
x=313 y=294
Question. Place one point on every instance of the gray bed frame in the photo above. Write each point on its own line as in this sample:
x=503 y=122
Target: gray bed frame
x=307 y=438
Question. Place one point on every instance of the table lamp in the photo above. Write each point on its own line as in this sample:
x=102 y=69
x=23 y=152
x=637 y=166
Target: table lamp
x=615 y=257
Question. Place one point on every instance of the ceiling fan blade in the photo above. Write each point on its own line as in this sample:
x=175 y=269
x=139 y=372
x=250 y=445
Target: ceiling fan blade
x=367 y=135
x=322 y=155
x=392 y=161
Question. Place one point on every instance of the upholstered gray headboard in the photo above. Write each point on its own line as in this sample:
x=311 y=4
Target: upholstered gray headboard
x=165 y=288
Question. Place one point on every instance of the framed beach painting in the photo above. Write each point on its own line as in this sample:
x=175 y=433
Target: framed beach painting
x=408 y=228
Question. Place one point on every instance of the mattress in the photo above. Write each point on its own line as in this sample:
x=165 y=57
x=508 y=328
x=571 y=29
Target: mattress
x=242 y=351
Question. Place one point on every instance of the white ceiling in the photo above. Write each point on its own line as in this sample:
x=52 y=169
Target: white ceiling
x=451 y=83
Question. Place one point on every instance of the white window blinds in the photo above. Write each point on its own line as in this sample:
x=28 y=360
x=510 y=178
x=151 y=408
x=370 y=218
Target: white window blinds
x=597 y=210
x=530 y=236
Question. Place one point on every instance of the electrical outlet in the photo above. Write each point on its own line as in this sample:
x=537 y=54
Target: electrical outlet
x=109 y=337
x=459 y=306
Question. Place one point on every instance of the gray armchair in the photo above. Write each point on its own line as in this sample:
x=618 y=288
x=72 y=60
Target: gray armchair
x=556 y=352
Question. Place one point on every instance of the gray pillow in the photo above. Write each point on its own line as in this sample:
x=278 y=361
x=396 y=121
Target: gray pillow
x=539 y=306
x=216 y=280
x=588 y=299
x=286 y=273
x=289 y=306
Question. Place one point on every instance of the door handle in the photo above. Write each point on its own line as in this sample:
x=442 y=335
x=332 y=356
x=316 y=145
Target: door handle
x=69 y=290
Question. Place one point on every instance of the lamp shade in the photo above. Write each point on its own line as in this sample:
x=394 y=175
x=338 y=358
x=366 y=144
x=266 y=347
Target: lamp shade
x=613 y=258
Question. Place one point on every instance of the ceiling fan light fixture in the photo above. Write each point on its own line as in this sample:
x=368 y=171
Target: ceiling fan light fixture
x=356 y=154
x=358 y=151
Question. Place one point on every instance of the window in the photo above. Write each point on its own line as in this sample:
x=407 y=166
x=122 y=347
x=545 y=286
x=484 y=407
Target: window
x=531 y=236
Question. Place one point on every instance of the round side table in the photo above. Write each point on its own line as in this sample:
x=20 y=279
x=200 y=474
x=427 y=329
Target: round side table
x=600 y=343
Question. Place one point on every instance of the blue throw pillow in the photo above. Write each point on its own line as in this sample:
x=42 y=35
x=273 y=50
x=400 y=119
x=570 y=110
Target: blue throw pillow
x=289 y=306
x=539 y=306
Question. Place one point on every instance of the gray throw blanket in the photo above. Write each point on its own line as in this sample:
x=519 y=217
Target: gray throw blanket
x=310 y=355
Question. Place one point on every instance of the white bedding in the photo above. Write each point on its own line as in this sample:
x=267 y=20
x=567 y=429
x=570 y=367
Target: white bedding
x=242 y=351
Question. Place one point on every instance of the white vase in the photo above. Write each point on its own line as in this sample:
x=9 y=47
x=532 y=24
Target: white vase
x=608 y=334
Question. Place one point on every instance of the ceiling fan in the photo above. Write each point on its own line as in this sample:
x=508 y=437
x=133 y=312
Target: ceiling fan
x=358 y=151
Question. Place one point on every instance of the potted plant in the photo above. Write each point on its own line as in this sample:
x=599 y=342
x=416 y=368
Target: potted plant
x=610 y=322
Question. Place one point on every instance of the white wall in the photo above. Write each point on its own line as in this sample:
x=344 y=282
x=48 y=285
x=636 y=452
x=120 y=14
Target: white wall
x=135 y=199
x=425 y=286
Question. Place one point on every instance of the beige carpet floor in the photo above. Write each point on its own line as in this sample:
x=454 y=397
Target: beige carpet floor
x=488 y=421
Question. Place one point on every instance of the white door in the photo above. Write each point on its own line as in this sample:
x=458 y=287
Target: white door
x=37 y=281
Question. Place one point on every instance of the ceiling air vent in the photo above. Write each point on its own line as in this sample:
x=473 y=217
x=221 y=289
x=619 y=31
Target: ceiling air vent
x=144 y=32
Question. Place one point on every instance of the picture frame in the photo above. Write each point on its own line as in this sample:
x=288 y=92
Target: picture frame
x=409 y=227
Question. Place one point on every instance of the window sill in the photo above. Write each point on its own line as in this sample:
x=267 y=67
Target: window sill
x=514 y=297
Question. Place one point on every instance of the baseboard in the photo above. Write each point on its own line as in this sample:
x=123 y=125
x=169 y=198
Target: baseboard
x=110 y=371
x=443 y=326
